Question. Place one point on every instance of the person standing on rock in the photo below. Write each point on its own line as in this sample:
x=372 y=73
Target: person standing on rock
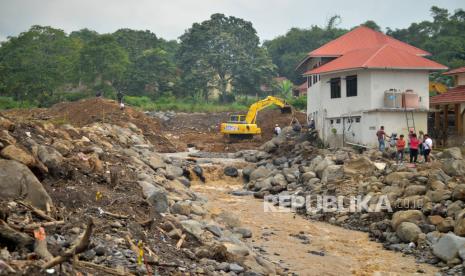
x=414 y=144
x=277 y=130
x=381 y=134
x=400 y=145
x=427 y=147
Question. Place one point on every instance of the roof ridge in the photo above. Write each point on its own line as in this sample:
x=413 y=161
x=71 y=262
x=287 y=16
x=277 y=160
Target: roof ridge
x=374 y=54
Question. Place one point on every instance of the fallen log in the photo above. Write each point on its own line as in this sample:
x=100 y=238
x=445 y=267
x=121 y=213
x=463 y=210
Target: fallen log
x=14 y=238
x=35 y=211
x=79 y=247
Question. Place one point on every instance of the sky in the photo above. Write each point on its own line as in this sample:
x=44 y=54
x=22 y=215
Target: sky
x=170 y=18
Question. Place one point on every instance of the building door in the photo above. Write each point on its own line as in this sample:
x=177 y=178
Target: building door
x=352 y=130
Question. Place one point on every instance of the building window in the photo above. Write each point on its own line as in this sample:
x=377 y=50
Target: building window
x=331 y=121
x=351 y=86
x=315 y=78
x=335 y=88
x=338 y=121
x=357 y=119
x=309 y=81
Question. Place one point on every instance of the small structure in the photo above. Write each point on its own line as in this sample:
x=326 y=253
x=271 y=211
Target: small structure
x=365 y=79
x=448 y=112
x=301 y=90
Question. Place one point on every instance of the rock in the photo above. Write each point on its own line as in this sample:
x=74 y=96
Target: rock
x=459 y=192
x=215 y=230
x=237 y=250
x=397 y=177
x=6 y=139
x=6 y=124
x=193 y=227
x=332 y=172
x=258 y=173
x=435 y=220
x=414 y=216
x=307 y=176
x=454 y=167
x=17 y=181
x=453 y=153
x=51 y=158
x=199 y=172
x=361 y=165
x=454 y=208
x=245 y=233
x=230 y=171
x=12 y=152
x=448 y=246
x=235 y=268
x=415 y=190
x=446 y=225
x=439 y=195
x=269 y=147
x=322 y=166
x=154 y=161
x=155 y=195
x=459 y=228
x=181 y=207
x=408 y=232
x=279 y=161
x=172 y=172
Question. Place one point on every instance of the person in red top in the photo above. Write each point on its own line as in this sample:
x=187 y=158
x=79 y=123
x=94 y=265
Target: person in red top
x=400 y=145
x=414 y=143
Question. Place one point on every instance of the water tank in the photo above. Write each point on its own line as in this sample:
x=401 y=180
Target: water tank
x=410 y=99
x=392 y=99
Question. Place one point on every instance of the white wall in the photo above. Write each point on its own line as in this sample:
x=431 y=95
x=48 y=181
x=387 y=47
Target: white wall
x=460 y=79
x=371 y=85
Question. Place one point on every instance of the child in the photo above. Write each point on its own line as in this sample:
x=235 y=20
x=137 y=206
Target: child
x=414 y=143
x=400 y=149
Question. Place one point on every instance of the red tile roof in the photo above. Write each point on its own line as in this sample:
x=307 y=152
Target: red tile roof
x=455 y=71
x=454 y=95
x=385 y=56
x=359 y=38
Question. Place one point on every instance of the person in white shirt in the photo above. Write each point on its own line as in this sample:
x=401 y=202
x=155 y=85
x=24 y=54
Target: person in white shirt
x=277 y=130
x=427 y=147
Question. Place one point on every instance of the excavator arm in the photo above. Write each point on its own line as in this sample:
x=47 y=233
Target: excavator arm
x=251 y=116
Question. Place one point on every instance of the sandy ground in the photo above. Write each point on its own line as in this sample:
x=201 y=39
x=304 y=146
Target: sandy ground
x=345 y=251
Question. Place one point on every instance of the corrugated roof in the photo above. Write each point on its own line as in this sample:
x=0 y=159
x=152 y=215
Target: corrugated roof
x=385 y=57
x=359 y=38
x=455 y=71
x=454 y=95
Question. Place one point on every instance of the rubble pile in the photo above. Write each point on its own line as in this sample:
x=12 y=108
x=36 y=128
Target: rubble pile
x=98 y=199
x=423 y=206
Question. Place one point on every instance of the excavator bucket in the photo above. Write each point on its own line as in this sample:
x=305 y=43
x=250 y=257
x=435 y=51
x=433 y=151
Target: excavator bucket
x=286 y=109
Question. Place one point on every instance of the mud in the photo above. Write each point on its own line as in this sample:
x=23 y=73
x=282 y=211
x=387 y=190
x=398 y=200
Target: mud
x=301 y=246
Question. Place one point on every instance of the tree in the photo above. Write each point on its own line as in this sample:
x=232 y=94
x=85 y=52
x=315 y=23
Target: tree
x=372 y=25
x=35 y=63
x=220 y=52
x=103 y=60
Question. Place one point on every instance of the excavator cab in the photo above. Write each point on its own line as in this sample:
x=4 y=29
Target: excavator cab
x=237 y=119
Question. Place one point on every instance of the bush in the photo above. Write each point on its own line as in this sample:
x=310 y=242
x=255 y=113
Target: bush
x=9 y=103
x=299 y=103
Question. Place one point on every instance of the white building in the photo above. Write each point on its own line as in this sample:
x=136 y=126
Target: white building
x=347 y=83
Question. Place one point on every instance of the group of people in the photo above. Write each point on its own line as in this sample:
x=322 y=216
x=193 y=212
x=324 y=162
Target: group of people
x=421 y=145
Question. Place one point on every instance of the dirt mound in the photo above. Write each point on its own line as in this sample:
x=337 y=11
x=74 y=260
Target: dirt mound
x=202 y=130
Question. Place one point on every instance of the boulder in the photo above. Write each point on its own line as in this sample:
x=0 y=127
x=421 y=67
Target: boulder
x=307 y=176
x=173 y=172
x=415 y=190
x=12 y=152
x=448 y=246
x=322 y=166
x=269 y=147
x=414 y=216
x=181 y=208
x=454 y=208
x=6 y=124
x=17 y=181
x=193 y=227
x=259 y=172
x=361 y=165
x=6 y=139
x=332 y=172
x=397 y=177
x=459 y=228
x=230 y=171
x=459 y=192
x=155 y=195
x=154 y=161
x=408 y=232
x=51 y=158
x=452 y=153
x=446 y=225
x=454 y=167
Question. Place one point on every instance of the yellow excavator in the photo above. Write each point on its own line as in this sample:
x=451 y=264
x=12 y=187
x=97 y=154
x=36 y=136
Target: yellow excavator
x=244 y=126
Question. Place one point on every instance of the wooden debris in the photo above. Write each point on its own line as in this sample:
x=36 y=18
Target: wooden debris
x=181 y=241
x=9 y=235
x=35 y=211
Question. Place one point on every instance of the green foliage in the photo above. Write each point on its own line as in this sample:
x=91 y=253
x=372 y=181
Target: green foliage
x=219 y=52
x=9 y=103
x=443 y=37
x=299 y=102
x=284 y=88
